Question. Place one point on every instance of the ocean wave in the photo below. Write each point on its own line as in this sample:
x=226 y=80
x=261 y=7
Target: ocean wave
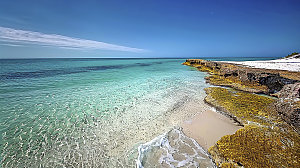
x=173 y=149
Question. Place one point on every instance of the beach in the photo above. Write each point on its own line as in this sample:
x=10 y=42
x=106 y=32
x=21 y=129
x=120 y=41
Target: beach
x=288 y=64
x=208 y=127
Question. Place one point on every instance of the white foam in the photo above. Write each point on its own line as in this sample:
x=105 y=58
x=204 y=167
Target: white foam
x=198 y=158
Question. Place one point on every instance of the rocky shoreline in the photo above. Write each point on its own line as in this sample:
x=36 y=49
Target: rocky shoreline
x=266 y=102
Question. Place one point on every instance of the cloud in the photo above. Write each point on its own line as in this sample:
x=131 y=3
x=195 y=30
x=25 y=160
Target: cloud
x=11 y=45
x=21 y=36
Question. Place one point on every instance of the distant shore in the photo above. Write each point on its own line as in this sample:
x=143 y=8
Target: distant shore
x=288 y=64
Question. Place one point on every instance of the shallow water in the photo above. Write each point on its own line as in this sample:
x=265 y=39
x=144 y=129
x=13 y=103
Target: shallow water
x=89 y=112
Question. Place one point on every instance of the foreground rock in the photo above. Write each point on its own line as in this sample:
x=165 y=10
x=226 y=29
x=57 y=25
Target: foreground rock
x=265 y=141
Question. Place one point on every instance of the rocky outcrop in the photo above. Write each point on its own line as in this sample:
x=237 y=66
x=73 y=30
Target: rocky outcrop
x=278 y=83
x=245 y=78
x=264 y=137
x=270 y=137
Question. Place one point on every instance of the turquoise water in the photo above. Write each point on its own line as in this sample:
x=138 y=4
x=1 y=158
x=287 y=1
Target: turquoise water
x=89 y=112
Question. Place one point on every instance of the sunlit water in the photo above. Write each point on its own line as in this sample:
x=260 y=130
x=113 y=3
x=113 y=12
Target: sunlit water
x=89 y=112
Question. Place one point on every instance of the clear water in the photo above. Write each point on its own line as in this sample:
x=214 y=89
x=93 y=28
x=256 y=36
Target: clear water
x=89 y=112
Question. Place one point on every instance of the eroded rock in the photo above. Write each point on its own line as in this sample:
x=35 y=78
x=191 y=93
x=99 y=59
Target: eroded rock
x=288 y=104
x=244 y=78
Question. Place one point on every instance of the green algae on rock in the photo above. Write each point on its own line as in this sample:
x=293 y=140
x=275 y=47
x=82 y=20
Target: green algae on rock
x=265 y=141
x=235 y=82
x=256 y=146
x=243 y=106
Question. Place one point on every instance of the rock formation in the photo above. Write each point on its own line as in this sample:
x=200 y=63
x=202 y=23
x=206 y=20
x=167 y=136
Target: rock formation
x=278 y=83
x=245 y=78
x=270 y=137
x=288 y=104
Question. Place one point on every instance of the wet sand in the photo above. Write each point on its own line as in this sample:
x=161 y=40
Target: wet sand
x=208 y=127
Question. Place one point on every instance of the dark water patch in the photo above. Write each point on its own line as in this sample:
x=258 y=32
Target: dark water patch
x=143 y=64
x=67 y=71
x=37 y=74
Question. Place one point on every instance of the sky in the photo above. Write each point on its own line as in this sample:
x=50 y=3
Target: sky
x=148 y=28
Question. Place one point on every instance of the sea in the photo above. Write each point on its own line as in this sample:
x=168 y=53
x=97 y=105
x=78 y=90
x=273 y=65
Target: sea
x=96 y=112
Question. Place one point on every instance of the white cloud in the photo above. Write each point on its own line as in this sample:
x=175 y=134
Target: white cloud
x=11 y=45
x=22 y=36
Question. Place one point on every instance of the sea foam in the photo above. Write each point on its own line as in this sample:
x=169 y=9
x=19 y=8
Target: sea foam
x=173 y=149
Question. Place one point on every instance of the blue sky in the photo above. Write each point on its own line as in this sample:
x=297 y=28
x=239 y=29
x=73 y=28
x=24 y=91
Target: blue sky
x=148 y=28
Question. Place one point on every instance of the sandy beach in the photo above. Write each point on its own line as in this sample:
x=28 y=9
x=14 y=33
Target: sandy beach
x=208 y=127
x=289 y=64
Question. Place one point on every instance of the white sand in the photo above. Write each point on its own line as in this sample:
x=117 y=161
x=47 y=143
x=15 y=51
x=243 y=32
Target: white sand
x=289 y=64
x=208 y=127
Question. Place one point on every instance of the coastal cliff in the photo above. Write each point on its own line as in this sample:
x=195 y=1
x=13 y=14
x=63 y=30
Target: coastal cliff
x=244 y=78
x=266 y=102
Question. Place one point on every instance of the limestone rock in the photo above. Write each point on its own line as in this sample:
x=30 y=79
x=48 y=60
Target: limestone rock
x=288 y=104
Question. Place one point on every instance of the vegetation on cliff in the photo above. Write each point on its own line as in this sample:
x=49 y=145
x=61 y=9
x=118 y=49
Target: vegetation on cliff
x=291 y=55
